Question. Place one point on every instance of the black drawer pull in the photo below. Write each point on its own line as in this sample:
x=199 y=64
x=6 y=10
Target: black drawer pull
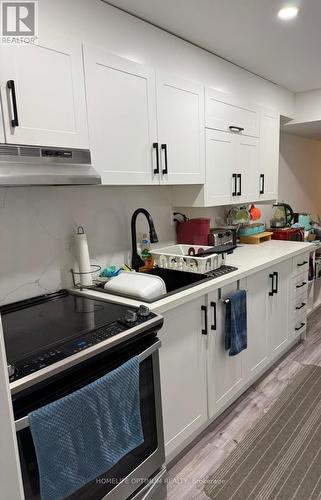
x=12 y=89
x=297 y=328
x=240 y=185
x=213 y=326
x=272 y=286
x=302 y=263
x=276 y=282
x=164 y=148
x=205 y=330
x=300 y=307
x=155 y=146
x=302 y=284
x=261 y=183
x=234 y=128
x=234 y=177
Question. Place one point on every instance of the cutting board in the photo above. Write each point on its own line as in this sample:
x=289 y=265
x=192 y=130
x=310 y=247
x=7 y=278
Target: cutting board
x=255 y=239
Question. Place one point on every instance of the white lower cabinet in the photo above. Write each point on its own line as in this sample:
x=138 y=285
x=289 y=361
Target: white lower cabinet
x=183 y=373
x=199 y=379
x=257 y=323
x=278 y=306
x=225 y=374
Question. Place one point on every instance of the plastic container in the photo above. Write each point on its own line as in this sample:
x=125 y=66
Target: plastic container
x=138 y=285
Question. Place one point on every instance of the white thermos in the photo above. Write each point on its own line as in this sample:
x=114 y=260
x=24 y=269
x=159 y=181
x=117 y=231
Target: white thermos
x=83 y=259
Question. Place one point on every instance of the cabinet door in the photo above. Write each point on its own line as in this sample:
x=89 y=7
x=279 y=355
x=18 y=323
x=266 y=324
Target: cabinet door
x=220 y=166
x=269 y=155
x=225 y=374
x=180 y=120
x=50 y=95
x=183 y=374
x=257 y=354
x=278 y=305
x=122 y=118
x=224 y=112
x=247 y=160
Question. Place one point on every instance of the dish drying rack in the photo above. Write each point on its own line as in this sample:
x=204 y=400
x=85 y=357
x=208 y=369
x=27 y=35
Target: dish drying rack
x=185 y=258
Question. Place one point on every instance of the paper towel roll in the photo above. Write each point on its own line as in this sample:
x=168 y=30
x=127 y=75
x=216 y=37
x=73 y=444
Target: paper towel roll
x=83 y=259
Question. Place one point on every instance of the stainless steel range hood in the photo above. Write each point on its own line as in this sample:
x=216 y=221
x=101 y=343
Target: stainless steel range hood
x=46 y=166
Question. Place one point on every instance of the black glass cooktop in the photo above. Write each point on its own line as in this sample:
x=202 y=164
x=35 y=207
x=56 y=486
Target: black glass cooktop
x=44 y=322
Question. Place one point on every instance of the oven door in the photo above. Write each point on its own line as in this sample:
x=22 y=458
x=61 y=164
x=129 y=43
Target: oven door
x=134 y=470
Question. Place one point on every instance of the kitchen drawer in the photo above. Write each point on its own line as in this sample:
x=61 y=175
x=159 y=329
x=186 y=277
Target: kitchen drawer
x=299 y=325
x=224 y=112
x=299 y=285
x=300 y=264
x=298 y=309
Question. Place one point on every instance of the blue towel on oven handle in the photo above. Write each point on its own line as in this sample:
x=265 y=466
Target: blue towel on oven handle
x=81 y=436
x=236 y=323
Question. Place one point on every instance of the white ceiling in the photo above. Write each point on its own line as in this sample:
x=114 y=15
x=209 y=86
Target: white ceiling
x=247 y=33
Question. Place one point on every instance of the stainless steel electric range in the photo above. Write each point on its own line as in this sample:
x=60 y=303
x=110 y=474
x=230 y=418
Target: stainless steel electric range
x=58 y=343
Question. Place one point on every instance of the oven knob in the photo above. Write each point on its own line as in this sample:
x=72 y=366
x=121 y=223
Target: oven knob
x=143 y=311
x=11 y=370
x=130 y=316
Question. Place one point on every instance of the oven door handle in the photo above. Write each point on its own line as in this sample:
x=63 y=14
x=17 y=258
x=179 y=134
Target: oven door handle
x=23 y=423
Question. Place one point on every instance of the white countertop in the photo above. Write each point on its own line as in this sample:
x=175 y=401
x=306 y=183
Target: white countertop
x=249 y=259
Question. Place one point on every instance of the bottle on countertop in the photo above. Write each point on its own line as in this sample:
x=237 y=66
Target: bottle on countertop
x=145 y=252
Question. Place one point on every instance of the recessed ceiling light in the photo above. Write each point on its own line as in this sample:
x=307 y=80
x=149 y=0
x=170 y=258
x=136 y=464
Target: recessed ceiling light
x=288 y=13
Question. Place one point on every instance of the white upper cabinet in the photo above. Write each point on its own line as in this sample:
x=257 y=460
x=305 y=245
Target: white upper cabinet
x=246 y=162
x=180 y=121
x=43 y=94
x=225 y=112
x=220 y=180
x=122 y=118
x=269 y=154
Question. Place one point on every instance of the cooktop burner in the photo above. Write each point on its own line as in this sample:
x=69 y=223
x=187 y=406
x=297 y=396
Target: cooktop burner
x=41 y=331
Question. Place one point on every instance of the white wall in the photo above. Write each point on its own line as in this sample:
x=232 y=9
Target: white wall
x=300 y=173
x=37 y=226
x=299 y=176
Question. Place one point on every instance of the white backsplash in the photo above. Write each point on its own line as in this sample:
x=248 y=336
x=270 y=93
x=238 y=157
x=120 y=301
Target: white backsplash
x=37 y=226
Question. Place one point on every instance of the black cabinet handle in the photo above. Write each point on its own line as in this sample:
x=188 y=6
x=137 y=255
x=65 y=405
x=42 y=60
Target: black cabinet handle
x=272 y=286
x=302 y=263
x=297 y=328
x=205 y=330
x=302 y=284
x=261 y=183
x=276 y=282
x=234 y=128
x=213 y=326
x=234 y=176
x=164 y=148
x=12 y=89
x=300 y=307
x=240 y=184
x=155 y=146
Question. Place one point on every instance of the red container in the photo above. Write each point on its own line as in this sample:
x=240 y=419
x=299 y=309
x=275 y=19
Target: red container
x=288 y=233
x=193 y=231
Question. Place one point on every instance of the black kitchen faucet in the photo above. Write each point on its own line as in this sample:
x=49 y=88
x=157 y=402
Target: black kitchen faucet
x=137 y=262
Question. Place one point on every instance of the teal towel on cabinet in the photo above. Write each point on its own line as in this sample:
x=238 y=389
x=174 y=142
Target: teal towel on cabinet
x=81 y=436
x=236 y=323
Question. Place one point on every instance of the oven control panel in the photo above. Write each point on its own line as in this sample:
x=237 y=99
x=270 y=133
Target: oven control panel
x=46 y=358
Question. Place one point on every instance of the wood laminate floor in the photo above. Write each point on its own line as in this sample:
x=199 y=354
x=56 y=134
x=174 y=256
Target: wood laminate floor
x=187 y=476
